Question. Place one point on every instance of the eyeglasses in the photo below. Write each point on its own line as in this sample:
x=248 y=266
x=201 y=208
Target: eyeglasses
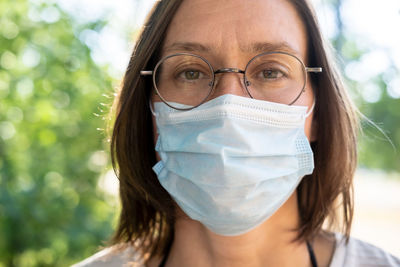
x=189 y=79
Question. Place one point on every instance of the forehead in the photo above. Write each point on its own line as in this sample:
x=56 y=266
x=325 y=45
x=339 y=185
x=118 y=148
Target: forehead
x=236 y=27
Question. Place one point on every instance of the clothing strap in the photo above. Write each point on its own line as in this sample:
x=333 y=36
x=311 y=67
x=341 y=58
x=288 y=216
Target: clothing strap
x=309 y=248
x=312 y=255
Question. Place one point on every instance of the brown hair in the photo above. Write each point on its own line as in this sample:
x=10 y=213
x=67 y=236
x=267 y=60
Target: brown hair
x=147 y=215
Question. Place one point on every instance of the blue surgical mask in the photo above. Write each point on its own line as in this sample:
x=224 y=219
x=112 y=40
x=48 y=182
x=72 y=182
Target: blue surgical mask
x=233 y=161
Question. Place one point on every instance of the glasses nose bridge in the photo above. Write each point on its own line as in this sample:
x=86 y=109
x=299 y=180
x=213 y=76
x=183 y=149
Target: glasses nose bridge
x=229 y=70
x=227 y=83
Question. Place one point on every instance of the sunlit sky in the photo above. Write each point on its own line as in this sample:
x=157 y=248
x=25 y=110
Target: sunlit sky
x=373 y=24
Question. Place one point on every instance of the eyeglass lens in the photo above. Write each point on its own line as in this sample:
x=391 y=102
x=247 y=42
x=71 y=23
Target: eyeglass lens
x=188 y=79
x=184 y=79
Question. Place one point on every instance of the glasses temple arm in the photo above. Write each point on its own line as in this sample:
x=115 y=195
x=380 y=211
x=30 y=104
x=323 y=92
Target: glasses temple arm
x=146 y=72
x=316 y=69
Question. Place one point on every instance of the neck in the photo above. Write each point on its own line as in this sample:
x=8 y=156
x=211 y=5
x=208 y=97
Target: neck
x=270 y=244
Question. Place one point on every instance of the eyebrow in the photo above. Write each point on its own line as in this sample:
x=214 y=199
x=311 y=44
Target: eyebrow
x=188 y=47
x=258 y=47
x=261 y=47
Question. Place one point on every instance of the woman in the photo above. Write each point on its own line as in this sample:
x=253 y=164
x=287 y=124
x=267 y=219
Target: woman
x=234 y=142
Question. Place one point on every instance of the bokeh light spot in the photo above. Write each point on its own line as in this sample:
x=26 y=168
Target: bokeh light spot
x=8 y=60
x=15 y=114
x=109 y=183
x=26 y=259
x=60 y=243
x=50 y=14
x=7 y=130
x=25 y=88
x=371 y=93
x=53 y=185
x=90 y=38
x=60 y=99
x=393 y=88
x=47 y=137
x=25 y=182
x=9 y=29
x=98 y=161
x=71 y=197
x=44 y=112
x=370 y=65
x=46 y=256
x=53 y=179
x=30 y=57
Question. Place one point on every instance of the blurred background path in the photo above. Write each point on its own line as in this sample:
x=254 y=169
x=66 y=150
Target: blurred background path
x=377 y=209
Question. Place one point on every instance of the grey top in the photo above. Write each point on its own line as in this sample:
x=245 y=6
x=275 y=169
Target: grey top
x=356 y=253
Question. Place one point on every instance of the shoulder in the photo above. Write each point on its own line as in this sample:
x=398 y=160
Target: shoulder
x=357 y=253
x=113 y=256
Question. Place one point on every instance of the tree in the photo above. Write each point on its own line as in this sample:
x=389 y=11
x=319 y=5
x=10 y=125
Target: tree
x=51 y=151
x=379 y=145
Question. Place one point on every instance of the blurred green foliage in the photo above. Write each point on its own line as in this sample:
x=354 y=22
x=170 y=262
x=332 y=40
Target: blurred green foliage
x=379 y=141
x=380 y=148
x=51 y=151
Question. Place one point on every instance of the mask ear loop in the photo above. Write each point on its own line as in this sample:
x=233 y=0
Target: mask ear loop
x=151 y=109
x=311 y=109
x=155 y=115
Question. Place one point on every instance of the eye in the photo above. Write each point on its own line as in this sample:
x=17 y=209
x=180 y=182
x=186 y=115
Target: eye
x=268 y=71
x=191 y=74
x=272 y=74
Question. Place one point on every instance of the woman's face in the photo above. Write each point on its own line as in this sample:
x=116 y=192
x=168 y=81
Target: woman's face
x=228 y=33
